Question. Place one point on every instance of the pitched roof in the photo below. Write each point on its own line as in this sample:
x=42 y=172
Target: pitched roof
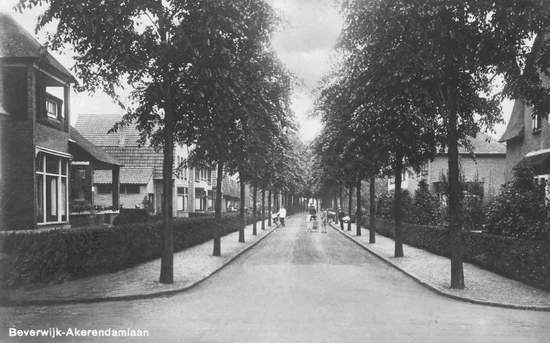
x=94 y=151
x=16 y=42
x=95 y=127
x=481 y=144
x=134 y=176
x=138 y=157
x=484 y=144
x=516 y=124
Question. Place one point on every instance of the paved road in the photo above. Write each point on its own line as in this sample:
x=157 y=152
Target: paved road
x=297 y=286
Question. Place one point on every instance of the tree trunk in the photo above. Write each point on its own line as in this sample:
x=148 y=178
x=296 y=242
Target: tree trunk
x=218 y=212
x=167 y=236
x=167 y=257
x=254 y=209
x=372 y=210
x=269 y=208
x=263 y=209
x=341 y=207
x=350 y=204
x=358 y=215
x=241 y=209
x=398 y=252
x=455 y=209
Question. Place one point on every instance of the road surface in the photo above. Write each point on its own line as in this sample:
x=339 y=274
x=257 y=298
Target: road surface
x=295 y=286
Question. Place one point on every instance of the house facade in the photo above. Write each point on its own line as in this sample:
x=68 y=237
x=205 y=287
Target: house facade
x=527 y=138
x=37 y=146
x=484 y=164
x=141 y=180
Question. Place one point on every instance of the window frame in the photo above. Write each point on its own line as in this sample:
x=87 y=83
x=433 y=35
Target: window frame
x=58 y=103
x=44 y=175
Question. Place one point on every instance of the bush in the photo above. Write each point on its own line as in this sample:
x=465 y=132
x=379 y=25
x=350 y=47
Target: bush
x=131 y=215
x=519 y=210
x=426 y=206
x=385 y=205
x=474 y=212
x=55 y=255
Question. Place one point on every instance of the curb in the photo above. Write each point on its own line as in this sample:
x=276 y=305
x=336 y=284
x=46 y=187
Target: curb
x=437 y=289
x=44 y=302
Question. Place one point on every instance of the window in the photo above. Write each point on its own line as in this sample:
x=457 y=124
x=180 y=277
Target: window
x=51 y=108
x=51 y=188
x=53 y=102
x=104 y=189
x=536 y=123
x=200 y=203
x=201 y=174
x=129 y=189
x=181 y=168
x=424 y=171
x=182 y=198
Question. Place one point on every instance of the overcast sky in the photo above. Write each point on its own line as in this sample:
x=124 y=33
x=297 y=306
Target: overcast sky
x=304 y=43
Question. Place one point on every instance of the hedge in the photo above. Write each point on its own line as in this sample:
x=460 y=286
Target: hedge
x=520 y=259
x=56 y=255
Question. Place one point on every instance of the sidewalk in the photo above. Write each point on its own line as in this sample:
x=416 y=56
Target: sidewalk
x=433 y=271
x=191 y=266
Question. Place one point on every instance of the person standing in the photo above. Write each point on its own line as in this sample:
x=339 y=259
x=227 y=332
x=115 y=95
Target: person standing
x=341 y=215
x=324 y=219
x=282 y=215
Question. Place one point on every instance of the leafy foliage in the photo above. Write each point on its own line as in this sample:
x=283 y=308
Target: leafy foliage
x=385 y=207
x=519 y=210
x=437 y=59
x=426 y=205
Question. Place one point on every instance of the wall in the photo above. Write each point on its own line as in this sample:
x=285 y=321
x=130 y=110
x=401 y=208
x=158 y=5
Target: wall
x=489 y=169
x=51 y=138
x=126 y=200
x=17 y=199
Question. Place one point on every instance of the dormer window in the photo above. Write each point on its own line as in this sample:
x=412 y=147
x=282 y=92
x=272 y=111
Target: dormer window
x=54 y=107
x=536 y=122
x=51 y=108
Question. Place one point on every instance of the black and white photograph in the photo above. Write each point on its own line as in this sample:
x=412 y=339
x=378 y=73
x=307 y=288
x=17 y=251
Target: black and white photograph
x=275 y=171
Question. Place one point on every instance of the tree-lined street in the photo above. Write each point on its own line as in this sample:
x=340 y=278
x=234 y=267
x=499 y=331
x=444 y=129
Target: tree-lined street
x=205 y=86
x=299 y=286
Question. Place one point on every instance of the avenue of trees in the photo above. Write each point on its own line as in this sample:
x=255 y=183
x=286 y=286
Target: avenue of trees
x=202 y=74
x=418 y=76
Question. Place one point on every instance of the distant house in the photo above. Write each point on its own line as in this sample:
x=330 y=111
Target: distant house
x=141 y=176
x=38 y=147
x=485 y=163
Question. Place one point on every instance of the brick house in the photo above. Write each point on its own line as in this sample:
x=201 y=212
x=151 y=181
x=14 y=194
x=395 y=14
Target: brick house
x=141 y=175
x=485 y=164
x=37 y=144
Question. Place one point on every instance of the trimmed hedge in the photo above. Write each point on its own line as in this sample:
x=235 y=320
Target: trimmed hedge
x=521 y=259
x=131 y=215
x=51 y=256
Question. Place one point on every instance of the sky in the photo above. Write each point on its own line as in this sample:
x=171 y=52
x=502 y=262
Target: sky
x=304 y=42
